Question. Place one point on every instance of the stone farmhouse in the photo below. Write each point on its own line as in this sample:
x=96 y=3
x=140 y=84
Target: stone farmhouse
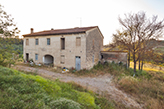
x=79 y=47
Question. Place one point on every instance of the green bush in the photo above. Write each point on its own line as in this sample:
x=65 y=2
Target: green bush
x=85 y=98
x=63 y=103
x=104 y=103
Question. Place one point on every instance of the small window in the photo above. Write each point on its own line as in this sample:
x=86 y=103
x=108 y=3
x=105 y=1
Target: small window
x=93 y=59
x=78 y=41
x=27 y=41
x=48 y=41
x=36 y=57
x=62 y=60
x=93 y=44
x=36 y=42
x=62 y=43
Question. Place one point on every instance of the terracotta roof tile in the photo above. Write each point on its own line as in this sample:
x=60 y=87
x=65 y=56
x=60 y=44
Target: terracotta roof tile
x=61 y=31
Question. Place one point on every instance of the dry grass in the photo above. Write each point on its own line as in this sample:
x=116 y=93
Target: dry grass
x=150 y=67
x=149 y=91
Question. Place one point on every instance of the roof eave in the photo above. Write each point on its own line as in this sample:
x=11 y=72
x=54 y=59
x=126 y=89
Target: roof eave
x=30 y=35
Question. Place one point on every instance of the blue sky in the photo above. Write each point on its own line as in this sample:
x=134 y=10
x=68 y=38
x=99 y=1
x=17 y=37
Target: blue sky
x=58 y=14
x=156 y=4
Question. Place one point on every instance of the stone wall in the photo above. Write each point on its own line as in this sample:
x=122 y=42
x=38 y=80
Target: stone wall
x=54 y=49
x=89 y=50
x=116 y=56
x=94 y=44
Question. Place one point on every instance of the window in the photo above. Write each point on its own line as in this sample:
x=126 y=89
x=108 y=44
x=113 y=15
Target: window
x=62 y=43
x=36 y=41
x=48 y=41
x=62 y=60
x=36 y=57
x=93 y=59
x=93 y=44
x=27 y=41
x=78 y=41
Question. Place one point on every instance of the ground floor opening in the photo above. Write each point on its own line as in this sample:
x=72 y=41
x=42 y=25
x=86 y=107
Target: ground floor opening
x=48 y=60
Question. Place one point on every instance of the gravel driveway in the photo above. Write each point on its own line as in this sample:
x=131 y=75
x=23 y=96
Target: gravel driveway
x=101 y=84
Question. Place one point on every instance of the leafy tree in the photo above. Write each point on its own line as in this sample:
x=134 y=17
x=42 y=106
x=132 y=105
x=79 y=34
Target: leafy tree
x=137 y=32
x=8 y=46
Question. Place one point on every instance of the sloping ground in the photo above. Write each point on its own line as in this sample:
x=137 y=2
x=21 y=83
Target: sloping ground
x=23 y=91
x=100 y=84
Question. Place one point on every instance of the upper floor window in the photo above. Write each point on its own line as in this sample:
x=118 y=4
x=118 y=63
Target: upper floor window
x=93 y=43
x=48 y=41
x=78 y=41
x=62 y=43
x=27 y=41
x=36 y=41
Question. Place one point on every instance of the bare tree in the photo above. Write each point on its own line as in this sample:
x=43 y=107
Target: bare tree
x=121 y=39
x=137 y=31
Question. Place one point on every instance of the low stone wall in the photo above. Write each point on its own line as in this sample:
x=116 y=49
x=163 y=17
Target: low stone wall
x=114 y=56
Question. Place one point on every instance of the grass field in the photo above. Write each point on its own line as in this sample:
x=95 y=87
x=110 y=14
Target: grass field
x=160 y=50
x=25 y=91
x=150 y=67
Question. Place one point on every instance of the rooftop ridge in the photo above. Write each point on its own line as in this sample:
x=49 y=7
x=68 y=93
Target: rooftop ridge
x=61 y=31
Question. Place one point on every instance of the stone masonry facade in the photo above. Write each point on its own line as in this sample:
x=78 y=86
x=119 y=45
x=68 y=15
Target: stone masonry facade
x=91 y=43
x=94 y=45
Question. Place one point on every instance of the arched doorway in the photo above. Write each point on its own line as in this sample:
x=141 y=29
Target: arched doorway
x=48 y=59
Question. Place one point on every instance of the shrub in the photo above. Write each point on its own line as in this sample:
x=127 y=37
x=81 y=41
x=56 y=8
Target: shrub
x=129 y=84
x=85 y=98
x=63 y=103
x=104 y=103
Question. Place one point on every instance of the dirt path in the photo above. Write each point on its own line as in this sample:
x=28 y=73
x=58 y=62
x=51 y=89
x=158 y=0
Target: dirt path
x=101 y=84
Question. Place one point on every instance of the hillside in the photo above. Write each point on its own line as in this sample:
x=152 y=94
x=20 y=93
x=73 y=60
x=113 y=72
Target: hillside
x=16 y=45
x=19 y=90
x=146 y=89
x=152 y=44
x=11 y=49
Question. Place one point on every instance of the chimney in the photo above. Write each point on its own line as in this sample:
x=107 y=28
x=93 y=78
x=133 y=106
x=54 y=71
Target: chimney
x=32 y=30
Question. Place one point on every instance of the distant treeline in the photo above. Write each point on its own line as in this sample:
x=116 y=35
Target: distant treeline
x=11 y=49
x=12 y=44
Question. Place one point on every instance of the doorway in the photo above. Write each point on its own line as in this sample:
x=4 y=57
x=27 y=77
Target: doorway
x=48 y=59
x=78 y=63
x=27 y=57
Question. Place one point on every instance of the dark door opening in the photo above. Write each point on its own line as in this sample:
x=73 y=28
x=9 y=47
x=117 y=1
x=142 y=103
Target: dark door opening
x=48 y=60
x=27 y=56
